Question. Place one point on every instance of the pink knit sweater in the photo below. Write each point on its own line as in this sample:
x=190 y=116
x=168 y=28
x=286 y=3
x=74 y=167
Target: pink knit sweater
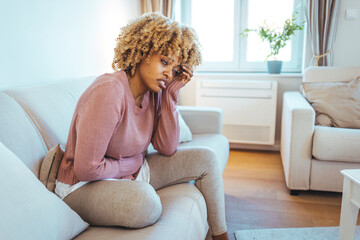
x=109 y=134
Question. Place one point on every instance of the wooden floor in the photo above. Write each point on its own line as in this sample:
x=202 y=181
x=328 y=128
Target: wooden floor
x=256 y=196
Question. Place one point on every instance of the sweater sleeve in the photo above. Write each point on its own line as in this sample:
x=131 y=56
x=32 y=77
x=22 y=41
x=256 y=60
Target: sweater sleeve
x=95 y=125
x=166 y=136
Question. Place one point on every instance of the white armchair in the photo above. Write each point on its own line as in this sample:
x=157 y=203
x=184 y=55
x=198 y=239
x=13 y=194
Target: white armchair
x=312 y=155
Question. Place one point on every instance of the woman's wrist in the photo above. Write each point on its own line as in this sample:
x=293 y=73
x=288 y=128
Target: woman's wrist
x=170 y=94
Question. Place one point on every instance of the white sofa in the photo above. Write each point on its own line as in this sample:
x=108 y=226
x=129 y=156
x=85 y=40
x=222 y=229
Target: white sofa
x=34 y=119
x=312 y=155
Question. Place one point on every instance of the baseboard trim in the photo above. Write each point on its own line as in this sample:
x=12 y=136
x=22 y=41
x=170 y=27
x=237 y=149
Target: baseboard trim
x=275 y=147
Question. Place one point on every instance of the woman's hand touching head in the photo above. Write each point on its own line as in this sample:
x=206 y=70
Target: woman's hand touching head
x=154 y=33
x=185 y=74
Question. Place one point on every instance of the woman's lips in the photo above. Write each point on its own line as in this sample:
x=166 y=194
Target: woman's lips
x=163 y=83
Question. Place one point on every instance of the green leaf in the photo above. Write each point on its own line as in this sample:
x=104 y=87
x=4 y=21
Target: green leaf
x=277 y=40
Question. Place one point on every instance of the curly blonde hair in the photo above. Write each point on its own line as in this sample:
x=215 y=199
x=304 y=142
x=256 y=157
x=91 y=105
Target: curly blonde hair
x=153 y=32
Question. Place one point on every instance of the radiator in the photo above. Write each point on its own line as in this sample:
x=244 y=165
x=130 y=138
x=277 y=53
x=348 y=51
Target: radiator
x=249 y=108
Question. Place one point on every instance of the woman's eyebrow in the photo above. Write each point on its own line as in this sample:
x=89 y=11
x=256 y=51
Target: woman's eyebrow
x=169 y=58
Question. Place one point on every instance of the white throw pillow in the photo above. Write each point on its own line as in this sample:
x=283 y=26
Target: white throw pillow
x=28 y=210
x=185 y=133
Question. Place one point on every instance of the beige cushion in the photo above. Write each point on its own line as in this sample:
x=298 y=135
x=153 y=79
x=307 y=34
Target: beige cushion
x=28 y=210
x=336 y=144
x=337 y=104
x=50 y=167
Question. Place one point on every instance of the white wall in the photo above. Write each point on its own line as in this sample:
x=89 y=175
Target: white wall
x=346 y=50
x=49 y=40
x=346 y=45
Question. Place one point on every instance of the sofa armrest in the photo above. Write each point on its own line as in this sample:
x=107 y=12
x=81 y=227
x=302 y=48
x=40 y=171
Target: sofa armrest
x=202 y=119
x=297 y=129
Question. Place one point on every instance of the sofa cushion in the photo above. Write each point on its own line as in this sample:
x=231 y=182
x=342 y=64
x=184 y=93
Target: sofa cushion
x=337 y=104
x=336 y=144
x=29 y=210
x=51 y=107
x=184 y=216
x=19 y=134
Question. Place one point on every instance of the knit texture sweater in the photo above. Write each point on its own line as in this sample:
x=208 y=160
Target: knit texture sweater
x=109 y=134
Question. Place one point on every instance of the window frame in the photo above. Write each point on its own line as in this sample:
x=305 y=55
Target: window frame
x=240 y=64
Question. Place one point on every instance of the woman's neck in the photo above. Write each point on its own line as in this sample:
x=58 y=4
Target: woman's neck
x=136 y=89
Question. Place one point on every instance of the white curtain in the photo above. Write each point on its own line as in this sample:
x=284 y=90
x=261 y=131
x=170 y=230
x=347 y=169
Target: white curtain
x=163 y=6
x=322 y=17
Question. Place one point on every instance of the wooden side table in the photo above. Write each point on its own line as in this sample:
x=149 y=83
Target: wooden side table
x=350 y=203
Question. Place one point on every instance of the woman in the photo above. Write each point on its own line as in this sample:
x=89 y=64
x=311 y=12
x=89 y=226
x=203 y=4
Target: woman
x=116 y=119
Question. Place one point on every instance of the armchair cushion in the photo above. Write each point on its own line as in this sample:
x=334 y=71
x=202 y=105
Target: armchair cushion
x=337 y=104
x=336 y=144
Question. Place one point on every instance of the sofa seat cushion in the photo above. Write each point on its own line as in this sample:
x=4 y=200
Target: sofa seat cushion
x=184 y=216
x=336 y=144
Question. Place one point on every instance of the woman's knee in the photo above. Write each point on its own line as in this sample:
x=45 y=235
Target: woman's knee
x=146 y=206
x=131 y=204
x=208 y=158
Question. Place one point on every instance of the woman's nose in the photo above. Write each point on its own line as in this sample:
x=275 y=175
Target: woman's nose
x=169 y=75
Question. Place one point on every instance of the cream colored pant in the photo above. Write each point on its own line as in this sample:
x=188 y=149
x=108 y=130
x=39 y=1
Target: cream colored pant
x=100 y=203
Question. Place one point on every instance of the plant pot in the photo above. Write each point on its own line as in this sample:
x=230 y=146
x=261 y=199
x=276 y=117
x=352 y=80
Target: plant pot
x=274 y=67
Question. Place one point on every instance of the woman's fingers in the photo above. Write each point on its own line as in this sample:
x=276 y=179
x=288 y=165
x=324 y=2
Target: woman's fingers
x=187 y=69
x=185 y=80
x=185 y=77
x=186 y=74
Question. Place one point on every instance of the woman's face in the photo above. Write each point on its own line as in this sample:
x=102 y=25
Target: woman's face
x=160 y=70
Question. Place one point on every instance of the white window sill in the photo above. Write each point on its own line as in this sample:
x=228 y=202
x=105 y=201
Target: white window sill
x=241 y=76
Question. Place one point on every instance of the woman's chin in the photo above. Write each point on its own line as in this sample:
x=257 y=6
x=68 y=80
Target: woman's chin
x=156 y=90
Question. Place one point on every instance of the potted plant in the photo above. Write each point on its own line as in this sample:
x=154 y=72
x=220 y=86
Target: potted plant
x=277 y=39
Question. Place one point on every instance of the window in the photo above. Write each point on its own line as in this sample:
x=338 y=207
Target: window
x=219 y=24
